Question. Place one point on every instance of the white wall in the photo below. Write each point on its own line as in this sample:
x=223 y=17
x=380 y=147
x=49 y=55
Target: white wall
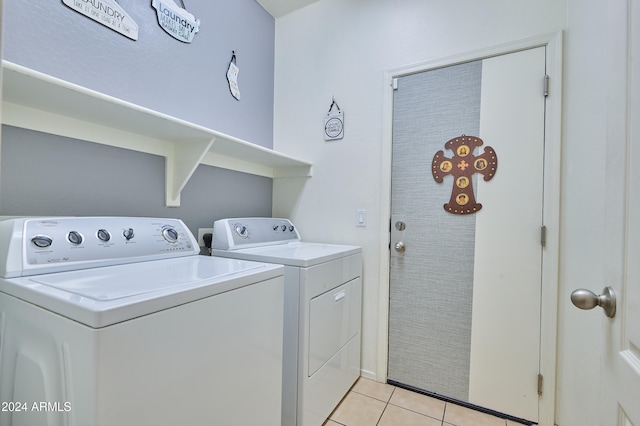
x=341 y=48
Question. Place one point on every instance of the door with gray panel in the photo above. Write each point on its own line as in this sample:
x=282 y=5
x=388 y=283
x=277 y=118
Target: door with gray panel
x=465 y=267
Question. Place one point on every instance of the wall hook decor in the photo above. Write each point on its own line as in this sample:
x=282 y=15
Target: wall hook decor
x=462 y=166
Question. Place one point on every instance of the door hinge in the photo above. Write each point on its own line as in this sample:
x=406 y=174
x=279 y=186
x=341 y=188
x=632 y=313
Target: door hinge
x=394 y=83
x=540 y=381
x=543 y=236
x=546 y=86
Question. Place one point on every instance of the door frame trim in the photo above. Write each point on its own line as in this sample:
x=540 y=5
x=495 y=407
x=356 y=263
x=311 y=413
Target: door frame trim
x=551 y=202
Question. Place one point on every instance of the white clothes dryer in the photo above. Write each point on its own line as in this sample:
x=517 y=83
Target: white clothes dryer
x=322 y=317
x=109 y=321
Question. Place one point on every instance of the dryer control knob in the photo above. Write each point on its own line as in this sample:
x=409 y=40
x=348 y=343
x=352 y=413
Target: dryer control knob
x=128 y=234
x=74 y=237
x=241 y=230
x=291 y=228
x=283 y=227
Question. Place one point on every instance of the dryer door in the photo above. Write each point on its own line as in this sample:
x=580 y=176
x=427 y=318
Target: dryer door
x=334 y=319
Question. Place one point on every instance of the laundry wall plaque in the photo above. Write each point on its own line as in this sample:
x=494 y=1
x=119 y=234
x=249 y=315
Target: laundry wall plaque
x=175 y=20
x=462 y=166
x=108 y=13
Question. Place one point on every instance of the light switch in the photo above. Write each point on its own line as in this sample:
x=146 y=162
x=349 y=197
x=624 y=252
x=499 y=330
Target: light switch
x=361 y=217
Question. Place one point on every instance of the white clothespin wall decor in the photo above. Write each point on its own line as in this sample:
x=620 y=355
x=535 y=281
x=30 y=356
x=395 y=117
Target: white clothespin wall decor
x=175 y=20
x=108 y=13
x=232 y=76
x=334 y=123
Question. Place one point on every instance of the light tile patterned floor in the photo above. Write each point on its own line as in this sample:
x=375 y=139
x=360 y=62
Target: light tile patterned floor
x=370 y=403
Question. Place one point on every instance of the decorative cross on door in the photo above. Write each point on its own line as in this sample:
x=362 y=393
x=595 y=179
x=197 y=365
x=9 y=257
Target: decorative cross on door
x=462 y=166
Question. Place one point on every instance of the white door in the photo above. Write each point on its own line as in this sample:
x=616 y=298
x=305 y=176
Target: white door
x=620 y=335
x=464 y=313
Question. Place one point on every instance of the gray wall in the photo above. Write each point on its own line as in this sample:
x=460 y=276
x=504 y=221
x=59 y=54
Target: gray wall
x=47 y=175
x=187 y=81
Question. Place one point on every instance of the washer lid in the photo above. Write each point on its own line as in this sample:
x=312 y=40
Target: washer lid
x=297 y=253
x=99 y=297
x=106 y=284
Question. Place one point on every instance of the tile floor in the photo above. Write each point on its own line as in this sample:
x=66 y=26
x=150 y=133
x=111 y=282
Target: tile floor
x=370 y=403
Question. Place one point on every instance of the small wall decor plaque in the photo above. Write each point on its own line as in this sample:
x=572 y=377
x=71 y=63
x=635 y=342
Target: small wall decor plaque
x=334 y=123
x=462 y=166
x=232 y=76
x=175 y=20
x=108 y=13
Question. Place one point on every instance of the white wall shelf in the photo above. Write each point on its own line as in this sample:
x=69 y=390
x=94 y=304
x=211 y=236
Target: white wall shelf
x=36 y=101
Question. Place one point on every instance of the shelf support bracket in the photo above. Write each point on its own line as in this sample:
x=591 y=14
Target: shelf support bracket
x=180 y=165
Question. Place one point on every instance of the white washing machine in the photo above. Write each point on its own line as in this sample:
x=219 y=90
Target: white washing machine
x=323 y=304
x=110 y=321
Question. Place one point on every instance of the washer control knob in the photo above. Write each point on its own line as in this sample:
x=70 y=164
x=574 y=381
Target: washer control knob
x=103 y=235
x=74 y=237
x=128 y=234
x=241 y=230
x=275 y=227
x=291 y=228
x=170 y=234
x=283 y=227
x=41 y=241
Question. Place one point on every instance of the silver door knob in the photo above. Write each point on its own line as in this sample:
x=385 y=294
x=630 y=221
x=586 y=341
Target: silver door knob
x=586 y=299
x=400 y=248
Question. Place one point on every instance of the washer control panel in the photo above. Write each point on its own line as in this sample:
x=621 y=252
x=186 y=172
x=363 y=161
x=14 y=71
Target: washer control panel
x=236 y=233
x=68 y=243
